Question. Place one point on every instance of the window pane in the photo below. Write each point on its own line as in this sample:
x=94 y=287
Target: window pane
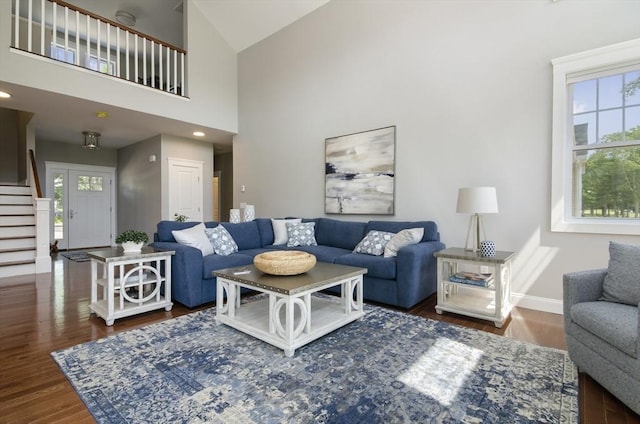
x=632 y=123
x=584 y=96
x=606 y=183
x=96 y=183
x=610 y=125
x=58 y=206
x=632 y=88
x=584 y=127
x=84 y=183
x=610 y=92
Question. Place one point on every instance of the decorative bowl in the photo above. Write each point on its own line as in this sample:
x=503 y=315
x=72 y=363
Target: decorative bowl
x=284 y=262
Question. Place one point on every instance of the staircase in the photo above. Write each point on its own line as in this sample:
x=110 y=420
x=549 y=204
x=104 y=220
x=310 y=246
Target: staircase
x=17 y=231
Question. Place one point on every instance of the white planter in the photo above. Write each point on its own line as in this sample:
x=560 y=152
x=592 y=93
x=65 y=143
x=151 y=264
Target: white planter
x=131 y=247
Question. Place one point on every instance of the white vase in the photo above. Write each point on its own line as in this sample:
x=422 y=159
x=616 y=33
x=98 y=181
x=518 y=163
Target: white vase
x=249 y=213
x=234 y=216
x=131 y=247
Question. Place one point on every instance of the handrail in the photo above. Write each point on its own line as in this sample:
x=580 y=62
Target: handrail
x=34 y=173
x=82 y=38
x=117 y=24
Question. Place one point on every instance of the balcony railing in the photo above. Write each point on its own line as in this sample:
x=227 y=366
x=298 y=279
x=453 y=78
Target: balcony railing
x=66 y=33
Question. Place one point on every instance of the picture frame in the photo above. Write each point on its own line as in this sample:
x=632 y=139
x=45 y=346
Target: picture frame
x=360 y=173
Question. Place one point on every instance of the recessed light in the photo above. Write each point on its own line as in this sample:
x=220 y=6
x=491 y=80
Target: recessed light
x=198 y=133
x=102 y=114
x=4 y=95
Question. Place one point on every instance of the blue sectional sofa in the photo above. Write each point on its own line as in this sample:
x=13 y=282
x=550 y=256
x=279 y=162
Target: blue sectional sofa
x=401 y=281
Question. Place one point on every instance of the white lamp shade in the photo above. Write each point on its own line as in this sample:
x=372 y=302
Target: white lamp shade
x=477 y=200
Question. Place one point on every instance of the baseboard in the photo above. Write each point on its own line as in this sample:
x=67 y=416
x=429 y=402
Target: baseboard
x=544 y=304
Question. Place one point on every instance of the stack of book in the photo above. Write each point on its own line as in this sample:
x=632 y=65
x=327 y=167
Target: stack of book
x=472 y=278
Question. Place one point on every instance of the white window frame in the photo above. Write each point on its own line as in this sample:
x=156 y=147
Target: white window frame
x=589 y=64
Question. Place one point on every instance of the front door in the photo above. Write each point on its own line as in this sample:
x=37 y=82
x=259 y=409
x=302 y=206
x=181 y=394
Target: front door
x=83 y=213
x=89 y=209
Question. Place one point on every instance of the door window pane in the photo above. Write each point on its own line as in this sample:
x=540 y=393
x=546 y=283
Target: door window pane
x=88 y=183
x=58 y=206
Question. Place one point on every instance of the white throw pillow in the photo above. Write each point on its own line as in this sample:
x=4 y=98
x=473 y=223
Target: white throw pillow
x=194 y=237
x=280 y=235
x=222 y=242
x=402 y=239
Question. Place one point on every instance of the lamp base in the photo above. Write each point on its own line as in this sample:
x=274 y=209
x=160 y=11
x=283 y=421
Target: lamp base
x=473 y=233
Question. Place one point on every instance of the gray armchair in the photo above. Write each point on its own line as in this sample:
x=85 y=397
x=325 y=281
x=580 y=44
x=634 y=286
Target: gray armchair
x=602 y=336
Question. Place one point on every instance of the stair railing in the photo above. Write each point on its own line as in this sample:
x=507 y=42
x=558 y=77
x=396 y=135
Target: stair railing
x=66 y=33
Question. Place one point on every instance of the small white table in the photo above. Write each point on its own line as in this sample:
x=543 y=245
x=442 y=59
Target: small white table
x=131 y=282
x=491 y=303
x=290 y=317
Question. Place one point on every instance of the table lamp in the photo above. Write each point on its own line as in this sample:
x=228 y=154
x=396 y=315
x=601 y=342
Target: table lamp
x=476 y=201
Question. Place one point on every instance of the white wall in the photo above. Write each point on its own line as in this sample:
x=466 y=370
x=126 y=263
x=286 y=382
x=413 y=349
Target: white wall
x=468 y=85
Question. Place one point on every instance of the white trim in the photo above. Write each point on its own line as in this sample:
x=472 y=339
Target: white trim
x=536 y=303
x=574 y=66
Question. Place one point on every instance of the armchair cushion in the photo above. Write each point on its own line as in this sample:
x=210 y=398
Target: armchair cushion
x=614 y=323
x=622 y=283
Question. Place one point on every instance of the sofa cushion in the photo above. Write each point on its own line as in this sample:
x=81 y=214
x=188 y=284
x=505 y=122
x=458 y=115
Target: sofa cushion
x=221 y=241
x=164 y=228
x=377 y=266
x=344 y=234
x=266 y=231
x=280 y=234
x=622 y=282
x=245 y=234
x=615 y=323
x=323 y=253
x=430 y=228
x=215 y=262
x=301 y=234
x=194 y=236
x=403 y=238
x=373 y=243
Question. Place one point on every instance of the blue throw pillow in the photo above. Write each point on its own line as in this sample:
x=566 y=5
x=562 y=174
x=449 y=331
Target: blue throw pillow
x=301 y=234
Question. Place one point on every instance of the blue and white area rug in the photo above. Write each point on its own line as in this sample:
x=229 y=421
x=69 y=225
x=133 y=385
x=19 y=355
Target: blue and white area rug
x=388 y=367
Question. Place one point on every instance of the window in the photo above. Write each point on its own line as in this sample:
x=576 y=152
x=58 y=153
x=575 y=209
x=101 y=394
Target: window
x=58 y=52
x=86 y=183
x=596 y=141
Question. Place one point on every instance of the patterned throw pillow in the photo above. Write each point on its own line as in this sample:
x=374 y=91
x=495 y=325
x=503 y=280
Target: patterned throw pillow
x=222 y=242
x=302 y=234
x=280 y=235
x=373 y=243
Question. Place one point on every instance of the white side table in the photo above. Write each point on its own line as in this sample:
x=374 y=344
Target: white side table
x=492 y=303
x=131 y=282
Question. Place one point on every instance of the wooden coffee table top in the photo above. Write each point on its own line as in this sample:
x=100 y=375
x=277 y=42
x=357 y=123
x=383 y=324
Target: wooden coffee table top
x=321 y=274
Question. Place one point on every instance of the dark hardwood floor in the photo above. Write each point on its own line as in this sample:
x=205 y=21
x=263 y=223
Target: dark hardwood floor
x=51 y=312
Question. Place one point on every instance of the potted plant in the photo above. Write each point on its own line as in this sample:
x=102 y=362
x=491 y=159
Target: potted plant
x=132 y=240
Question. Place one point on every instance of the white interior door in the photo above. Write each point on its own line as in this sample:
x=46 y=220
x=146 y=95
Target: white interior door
x=185 y=189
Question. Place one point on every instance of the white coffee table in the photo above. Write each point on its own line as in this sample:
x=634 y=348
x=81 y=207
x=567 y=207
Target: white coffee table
x=289 y=317
x=131 y=282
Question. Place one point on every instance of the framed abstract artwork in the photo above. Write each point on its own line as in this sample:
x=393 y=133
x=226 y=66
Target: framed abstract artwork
x=360 y=173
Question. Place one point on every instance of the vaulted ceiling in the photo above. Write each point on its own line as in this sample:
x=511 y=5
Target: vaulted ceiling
x=241 y=23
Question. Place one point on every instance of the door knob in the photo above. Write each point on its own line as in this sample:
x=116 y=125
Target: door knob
x=71 y=213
